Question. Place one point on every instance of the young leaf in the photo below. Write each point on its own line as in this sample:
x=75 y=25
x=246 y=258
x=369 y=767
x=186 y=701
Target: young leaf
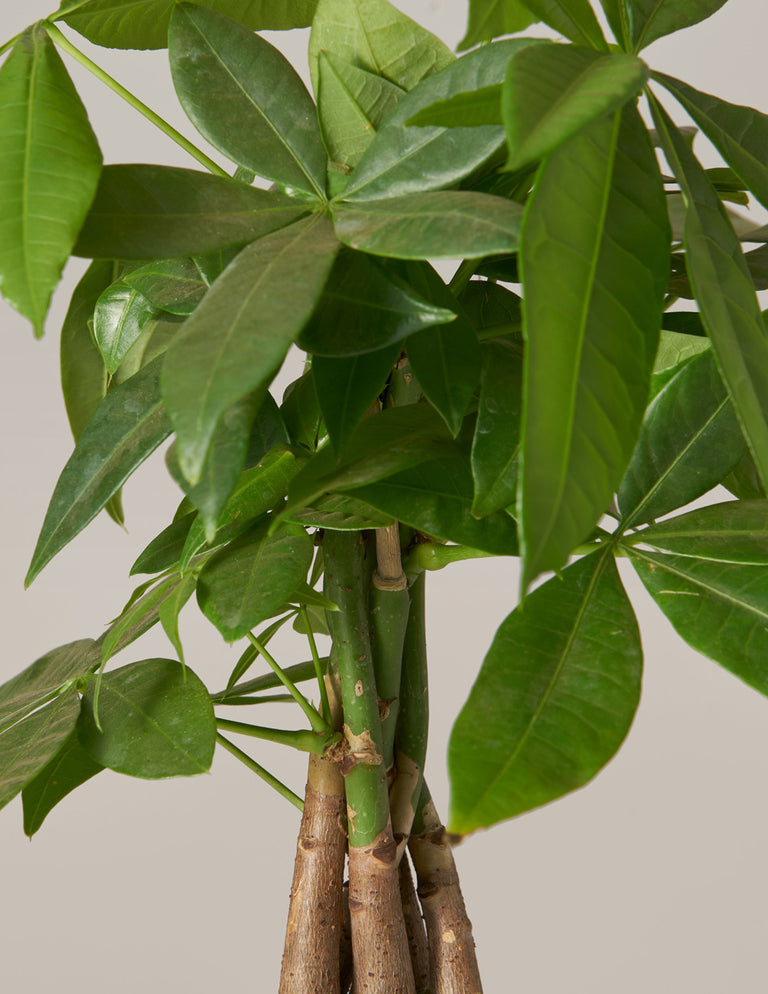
x=246 y=99
x=554 y=699
x=170 y=607
x=237 y=338
x=449 y=224
x=690 y=440
x=725 y=292
x=573 y=18
x=596 y=232
x=173 y=285
x=652 y=19
x=553 y=91
x=732 y=532
x=49 y=168
x=490 y=18
x=127 y=427
x=156 y=718
x=120 y=315
x=68 y=769
x=156 y=212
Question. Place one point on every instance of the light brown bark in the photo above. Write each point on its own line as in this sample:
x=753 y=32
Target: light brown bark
x=414 y=927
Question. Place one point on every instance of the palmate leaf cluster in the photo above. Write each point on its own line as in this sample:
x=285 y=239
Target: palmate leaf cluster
x=547 y=386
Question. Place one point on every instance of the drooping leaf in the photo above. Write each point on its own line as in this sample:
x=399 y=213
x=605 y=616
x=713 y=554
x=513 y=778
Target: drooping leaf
x=249 y=580
x=552 y=91
x=49 y=168
x=554 y=699
x=450 y=224
x=652 y=19
x=120 y=315
x=731 y=532
x=246 y=99
x=170 y=607
x=68 y=769
x=156 y=718
x=690 y=440
x=596 y=230
x=127 y=427
x=156 y=212
x=490 y=18
x=237 y=338
x=141 y=611
x=573 y=18
x=725 y=292
x=173 y=285
x=144 y=23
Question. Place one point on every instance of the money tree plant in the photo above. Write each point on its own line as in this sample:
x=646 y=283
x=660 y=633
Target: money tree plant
x=597 y=361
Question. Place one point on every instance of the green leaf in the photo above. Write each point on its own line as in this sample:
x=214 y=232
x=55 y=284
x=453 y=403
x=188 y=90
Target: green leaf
x=496 y=443
x=403 y=160
x=472 y=109
x=652 y=19
x=720 y=609
x=170 y=607
x=246 y=99
x=743 y=481
x=340 y=512
x=732 y=532
x=552 y=91
x=120 y=315
x=48 y=676
x=676 y=348
x=450 y=224
x=301 y=413
x=164 y=550
x=157 y=721
x=49 y=168
x=140 y=613
x=375 y=36
x=725 y=292
x=616 y=14
x=493 y=310
x=366 y=306
x=251 y=579
x=68 y=769
x=739 y=133
x=490 y=18
x=573 y=18
x=554 y=699
x=144 y=23
x=26 y=747
x=173 y=285
x=127 y=427
x=267 y=431
x=690 y=440
x=347 y=387
x=154 y=212
x=237 y=338
x=597 y=226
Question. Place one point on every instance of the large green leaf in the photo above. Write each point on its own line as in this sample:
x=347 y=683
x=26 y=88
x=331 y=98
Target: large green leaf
x=173 y=285
x=490 y=18
x=68 y=769
x=724 y=290
x=375 y=36
x=127 y=427
x=246 y=99
x=237 y=338
x=732 y=532
x=27 y=746
x=250 y=580
x=719 y=608
x=448 y=224
x=49 y=167
x=573 y=18
x=154 y=212
x=554 y=699
x=553 y=91
x=119 y=318
x=156 y=721
x=690 y=440
x=403 y=160
x=652 y=19
x=144 y=23
x=594 y=266
x=739 y=133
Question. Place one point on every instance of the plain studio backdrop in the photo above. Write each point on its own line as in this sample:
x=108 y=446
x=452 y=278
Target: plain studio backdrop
x=652 y=878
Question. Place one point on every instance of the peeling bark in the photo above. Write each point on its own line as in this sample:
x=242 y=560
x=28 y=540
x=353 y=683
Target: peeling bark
x=414 y=927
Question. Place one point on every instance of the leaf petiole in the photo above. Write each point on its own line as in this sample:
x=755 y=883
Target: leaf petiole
x=316 y=660
x=252 y=765
x=317 y=722
x=301 y=739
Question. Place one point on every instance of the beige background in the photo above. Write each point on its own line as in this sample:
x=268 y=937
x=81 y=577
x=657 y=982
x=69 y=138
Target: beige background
x=654 y=878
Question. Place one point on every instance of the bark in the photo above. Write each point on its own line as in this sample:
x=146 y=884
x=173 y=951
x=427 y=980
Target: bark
x=315 y=916
x=414 y=927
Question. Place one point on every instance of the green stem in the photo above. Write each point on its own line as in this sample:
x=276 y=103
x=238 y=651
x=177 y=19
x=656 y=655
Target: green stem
x=432 y=556
x=266 y=699
x=319 y=673
x=66 y=45
x=298 y=673
x=10 y=43
x=318 y=723
x=265 y=775
x=300 y=739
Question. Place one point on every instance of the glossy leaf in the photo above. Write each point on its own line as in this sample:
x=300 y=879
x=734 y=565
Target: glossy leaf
x=573 y=18
x=144 y=23
x=155 y=212
x=49 y=167
x=720 y=609
x=725 y=292
x=120 y=315
x=490 y=18
x=156 y=718
x=690 y=440
x=301 y=413
x=246 y=99
x=173 y=285
x=554 y=699
x=552 y=91
x=68 y=769
x=170 y=607
x=127 y=427
x=652 y=19
x=449 y=224
x=237 y=338
x=341 y=512
x=732 y=532
x=472 y=109
x=252 y=578
x=598 y=220
x=26 y=747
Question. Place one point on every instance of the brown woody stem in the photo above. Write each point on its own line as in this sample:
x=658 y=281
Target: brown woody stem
x=418 y=944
